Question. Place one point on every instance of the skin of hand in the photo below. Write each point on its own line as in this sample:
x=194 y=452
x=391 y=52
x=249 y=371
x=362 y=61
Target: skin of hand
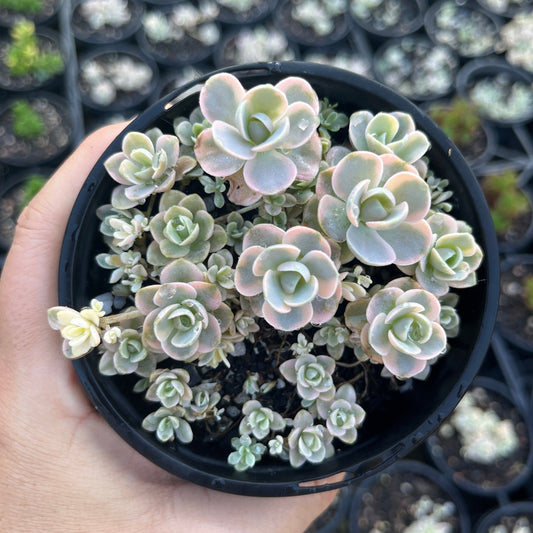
x=62 y=468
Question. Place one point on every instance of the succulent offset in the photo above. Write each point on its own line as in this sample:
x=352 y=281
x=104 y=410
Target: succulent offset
x=273 y=260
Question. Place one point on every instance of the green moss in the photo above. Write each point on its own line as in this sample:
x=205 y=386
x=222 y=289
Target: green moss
x=24 y=57
x=527 y=291
x=33 y=184
x=27 y=123
x=506 y=200
x=460 y=120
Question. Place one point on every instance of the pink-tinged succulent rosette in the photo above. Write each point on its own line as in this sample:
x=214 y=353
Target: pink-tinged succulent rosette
x=149 y=163
x=403 y=330
x=452 y=260
x=377 y=205
x=269 y=132
x=185 y=316
x=289 y=276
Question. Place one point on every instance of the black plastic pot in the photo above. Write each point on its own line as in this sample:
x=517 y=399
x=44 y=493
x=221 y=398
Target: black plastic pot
x=390 y=430
x=175 y=53
x=49 y=41
x=510 y=510
x=258 y=12
x=411 y=19
x=125 y=100
x=512 y=322
x=406 y=471
x=494 y=69
x=466 y=13
x=84 y=34
x=301 y=34
x=58 y=132
x=447 y=465
x=416 y=74
x=227 y=50
x=12 y=201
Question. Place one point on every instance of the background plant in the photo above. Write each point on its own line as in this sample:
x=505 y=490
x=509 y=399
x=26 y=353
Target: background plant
x=27 y=123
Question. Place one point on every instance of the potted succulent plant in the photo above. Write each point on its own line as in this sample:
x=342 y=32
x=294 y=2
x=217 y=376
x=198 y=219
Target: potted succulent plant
x=411 y=497
x=485 y=446
x=104 y=21
x=280 y=285
x=29 y=60
x=509 y=518
x=36 y=129
x=461 y=121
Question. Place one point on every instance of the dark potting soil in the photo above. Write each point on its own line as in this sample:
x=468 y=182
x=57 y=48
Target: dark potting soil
x=513 y=315
x=498 y=473
x=55 y=139
x=391 y=500
x=475 y=147
x=27 y=81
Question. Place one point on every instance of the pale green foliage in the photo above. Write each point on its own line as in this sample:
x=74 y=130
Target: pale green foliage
x=452 y=260
x=125 y=354
x=128 y=270
x=247 y=453
x=269 y=132
x=293 y=278
x=343 y=414
x=377 y=205
x=388 y=133
x=308 y=442
x=170 y=387
x=149 y=163
x=205 y=398
x=185 y=316
x=169 y=423
x=312 y=376
x=334 y=336
x=403 y=328
x=183 y=229
x=259 y=421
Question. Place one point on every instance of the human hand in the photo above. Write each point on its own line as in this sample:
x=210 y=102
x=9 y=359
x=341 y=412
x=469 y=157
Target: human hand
x=63 y=469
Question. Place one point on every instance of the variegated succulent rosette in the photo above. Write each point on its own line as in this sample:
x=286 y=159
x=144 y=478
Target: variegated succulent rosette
x=266 y=257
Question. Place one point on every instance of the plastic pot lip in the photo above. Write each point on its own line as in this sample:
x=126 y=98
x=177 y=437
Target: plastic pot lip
x=513 y=508
x=484 y=67
x=501 y=389
x=267 y=481
x=423 y=470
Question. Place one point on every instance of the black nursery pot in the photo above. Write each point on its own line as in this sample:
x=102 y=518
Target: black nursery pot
x=504 y=475
x=507 y=514
x=391 y=430
x=392 y=503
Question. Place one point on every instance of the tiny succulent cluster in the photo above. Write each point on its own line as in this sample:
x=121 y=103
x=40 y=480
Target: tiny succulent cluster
x=265 y=257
